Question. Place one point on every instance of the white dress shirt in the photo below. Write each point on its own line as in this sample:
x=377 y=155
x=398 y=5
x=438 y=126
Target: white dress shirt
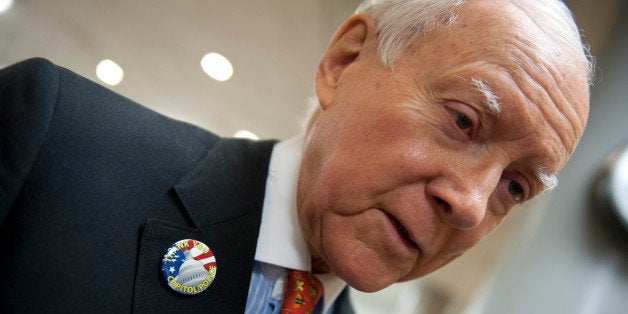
x=280 y=241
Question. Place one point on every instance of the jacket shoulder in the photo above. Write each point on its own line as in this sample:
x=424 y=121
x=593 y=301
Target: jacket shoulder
x=28 y=93
x=33 y=72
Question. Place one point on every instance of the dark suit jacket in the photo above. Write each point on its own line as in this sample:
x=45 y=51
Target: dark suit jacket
x=94 y=188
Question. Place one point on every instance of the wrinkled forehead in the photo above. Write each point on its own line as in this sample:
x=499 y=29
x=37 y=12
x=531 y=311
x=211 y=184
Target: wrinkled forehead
x=551 y=82
x=540 y=90
x=510 y=36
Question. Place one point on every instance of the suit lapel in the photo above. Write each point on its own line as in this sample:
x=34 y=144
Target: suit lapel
x=229 y=182
x=224 y=196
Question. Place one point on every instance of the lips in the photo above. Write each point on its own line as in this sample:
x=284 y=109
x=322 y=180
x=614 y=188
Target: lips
x=403 y=232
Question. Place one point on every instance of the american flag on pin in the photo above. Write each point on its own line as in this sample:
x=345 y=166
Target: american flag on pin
x=186 y=250
x=207 y=259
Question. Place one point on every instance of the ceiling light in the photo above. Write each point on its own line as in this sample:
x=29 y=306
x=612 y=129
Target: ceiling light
x=246 y=134
x=5 y=5
x=109 y=72
x=217 y=66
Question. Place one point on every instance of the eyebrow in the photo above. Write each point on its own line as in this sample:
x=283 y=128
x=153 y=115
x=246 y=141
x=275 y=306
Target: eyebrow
x=490 y=100
x=549 y=181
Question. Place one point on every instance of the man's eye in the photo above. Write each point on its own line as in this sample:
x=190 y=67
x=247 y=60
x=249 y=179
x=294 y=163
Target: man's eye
x=516 y=190
x=463 y=122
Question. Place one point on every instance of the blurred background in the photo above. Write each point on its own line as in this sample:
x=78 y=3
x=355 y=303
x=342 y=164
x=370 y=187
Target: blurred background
x=243 y=65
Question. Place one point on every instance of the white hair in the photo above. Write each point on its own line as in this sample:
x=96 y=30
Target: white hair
x=400 y=22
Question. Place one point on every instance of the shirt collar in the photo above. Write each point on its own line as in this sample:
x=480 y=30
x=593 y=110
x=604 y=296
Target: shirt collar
x=280 y=239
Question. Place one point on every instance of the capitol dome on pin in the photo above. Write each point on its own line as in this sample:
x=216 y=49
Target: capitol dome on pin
x=191 y=272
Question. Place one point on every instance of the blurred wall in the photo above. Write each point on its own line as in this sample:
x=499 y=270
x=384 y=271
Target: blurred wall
x=274 y=46
x=575 y=262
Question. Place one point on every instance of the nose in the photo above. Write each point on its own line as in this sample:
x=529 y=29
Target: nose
x=462 y=199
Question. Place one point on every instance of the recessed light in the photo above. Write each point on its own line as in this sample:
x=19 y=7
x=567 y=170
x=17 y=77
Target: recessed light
x=246 y=134
x=217 y=66
x=109 y=72
x=5 y=5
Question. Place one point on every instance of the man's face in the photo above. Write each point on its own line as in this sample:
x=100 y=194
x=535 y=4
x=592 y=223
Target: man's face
x=406 y=169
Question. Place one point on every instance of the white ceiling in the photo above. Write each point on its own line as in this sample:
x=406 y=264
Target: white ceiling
x=274 y=46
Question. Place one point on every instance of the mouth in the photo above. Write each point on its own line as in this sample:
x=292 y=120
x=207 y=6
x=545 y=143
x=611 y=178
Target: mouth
x=403 y=232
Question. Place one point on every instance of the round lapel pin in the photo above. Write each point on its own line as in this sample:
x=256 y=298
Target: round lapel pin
x=189 y=266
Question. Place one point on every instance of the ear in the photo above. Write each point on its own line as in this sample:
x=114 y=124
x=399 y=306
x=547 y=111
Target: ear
x=349 y=42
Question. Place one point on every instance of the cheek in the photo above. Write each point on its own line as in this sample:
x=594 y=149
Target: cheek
x=355 y=176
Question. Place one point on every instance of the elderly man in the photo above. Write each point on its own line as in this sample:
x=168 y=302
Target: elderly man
x=435 y=118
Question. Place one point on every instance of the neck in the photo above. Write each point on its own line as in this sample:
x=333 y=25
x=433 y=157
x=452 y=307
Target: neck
x=319 y=266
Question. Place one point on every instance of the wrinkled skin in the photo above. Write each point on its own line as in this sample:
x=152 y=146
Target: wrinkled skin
x=405 y=169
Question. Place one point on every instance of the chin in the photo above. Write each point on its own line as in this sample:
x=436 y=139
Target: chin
x=364 y=276
x=364 y=284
